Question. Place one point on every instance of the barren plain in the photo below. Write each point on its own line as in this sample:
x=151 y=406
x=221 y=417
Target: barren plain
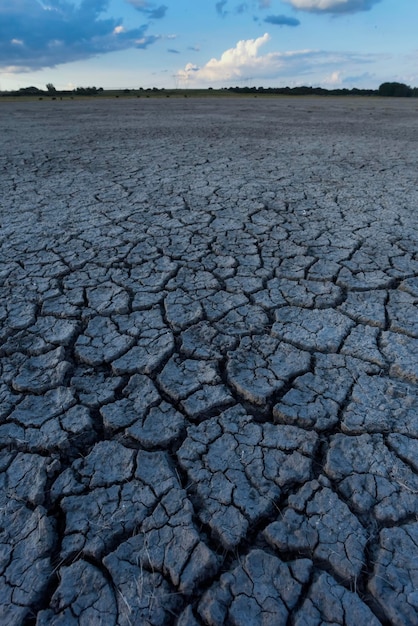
x=209 y=362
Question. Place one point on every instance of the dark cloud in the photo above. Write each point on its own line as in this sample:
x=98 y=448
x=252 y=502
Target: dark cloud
x=220 y=7
x=35 y=34
x=282 y=20
x=173 y=51
x=149 y=8
x=158 y=13
x=242 y=7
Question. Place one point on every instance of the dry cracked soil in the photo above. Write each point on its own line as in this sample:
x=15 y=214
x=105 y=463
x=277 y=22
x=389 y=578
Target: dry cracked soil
x=209 y=362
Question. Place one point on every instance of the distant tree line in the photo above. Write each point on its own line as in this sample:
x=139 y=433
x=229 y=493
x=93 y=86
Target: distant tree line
x=398 y=90
x=88 y=91
x=51 y=91
x=387 y=89
x=302 y=91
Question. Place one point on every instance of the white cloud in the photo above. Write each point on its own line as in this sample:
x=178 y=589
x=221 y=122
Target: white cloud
x=239 y=62
x=190 y=67
x=245 y=63
x=333 y=79
x=14 y=69
x=332 y=6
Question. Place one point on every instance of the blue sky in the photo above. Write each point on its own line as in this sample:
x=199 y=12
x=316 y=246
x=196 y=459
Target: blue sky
x=207 y=43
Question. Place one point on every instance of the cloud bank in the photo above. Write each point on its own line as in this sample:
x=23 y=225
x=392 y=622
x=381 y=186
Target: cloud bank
x=332 y=6
x=245 y=63
x=35 y=34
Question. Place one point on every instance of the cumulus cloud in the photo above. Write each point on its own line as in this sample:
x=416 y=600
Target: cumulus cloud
x=334 y=79
x=282 y=20
x=244 y=62
x=237 y=63
x=35 y=34
x=332 y=6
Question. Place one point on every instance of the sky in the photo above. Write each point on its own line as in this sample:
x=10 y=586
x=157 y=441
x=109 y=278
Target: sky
x=130 y=44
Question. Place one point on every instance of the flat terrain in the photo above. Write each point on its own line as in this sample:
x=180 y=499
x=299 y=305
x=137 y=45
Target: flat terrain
x=209 y=362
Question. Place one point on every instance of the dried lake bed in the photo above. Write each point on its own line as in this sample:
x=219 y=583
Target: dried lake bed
x=209 y=361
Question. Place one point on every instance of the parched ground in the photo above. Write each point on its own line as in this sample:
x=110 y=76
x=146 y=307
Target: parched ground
x=209 y=362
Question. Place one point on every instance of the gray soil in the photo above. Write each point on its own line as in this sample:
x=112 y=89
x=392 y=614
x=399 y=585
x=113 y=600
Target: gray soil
x=209 y=362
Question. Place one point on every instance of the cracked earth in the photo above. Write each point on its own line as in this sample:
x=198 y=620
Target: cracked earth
x=209 y=362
